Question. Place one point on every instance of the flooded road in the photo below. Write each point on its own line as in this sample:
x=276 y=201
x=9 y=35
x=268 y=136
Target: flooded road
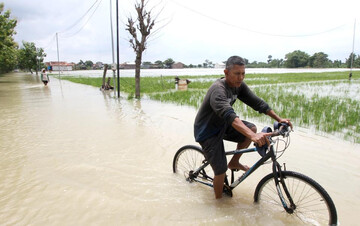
x=72 y=155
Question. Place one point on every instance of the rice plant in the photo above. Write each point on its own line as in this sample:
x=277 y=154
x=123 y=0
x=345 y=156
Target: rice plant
x=327 y=102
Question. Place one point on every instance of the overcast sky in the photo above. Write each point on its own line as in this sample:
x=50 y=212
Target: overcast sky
x=191 y=31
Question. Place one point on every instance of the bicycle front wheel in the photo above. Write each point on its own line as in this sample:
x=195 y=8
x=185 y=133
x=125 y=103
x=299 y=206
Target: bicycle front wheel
x=312 y=204
x=188 y=159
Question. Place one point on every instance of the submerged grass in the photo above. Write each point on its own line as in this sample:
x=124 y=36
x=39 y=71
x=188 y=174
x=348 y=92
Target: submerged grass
x=127 y=85
x=328 y=114
x=336 y=114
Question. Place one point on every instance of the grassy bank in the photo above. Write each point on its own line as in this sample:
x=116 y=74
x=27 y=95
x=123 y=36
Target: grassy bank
x=322 y=101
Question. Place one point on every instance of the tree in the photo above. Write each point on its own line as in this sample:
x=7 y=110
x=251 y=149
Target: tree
x=40 y=58
x=296 y=59
x=89 y=64
x=159 y=63
x=146 y=64
x=81 y=65
x=8 y=47
x=269 y=59
x=169 y=62
x=29 y=57
x=338 y=64
x=276 y=63
x=319 y=60
x=145 y=24
x=246 y=61
x=356 y=60
x=208 y=64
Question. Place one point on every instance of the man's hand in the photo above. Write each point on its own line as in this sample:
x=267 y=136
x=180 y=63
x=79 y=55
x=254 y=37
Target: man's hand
x=273 y=115
x=261 y=138
x=287 y=121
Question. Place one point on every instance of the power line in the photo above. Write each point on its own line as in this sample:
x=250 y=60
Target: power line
x=71 y=35
x=254 y=31
x=50 y=42
x=79 y=18
x=77 y=22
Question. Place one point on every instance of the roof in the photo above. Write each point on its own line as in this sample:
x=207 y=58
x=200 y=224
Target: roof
x=60 y=63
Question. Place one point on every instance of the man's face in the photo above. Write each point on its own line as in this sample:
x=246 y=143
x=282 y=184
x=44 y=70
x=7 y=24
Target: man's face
x=235 y=76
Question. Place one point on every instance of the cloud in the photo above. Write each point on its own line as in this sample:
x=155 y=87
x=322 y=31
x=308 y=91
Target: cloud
x=191 y=31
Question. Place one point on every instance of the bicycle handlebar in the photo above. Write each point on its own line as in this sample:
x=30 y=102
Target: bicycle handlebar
x=281 y=129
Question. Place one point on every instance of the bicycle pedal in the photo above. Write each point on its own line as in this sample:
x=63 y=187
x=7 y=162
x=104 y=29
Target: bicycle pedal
x=227 y=190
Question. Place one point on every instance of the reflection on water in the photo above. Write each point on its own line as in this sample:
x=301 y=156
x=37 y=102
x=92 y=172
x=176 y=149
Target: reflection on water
x=73 y=155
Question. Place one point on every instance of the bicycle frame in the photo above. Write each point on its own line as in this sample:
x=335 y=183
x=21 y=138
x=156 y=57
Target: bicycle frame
x=252 y=168
x=276 y=171
x=261 y=161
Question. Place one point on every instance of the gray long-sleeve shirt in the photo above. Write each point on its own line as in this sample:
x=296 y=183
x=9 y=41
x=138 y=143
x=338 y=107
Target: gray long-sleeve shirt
x=216 y=111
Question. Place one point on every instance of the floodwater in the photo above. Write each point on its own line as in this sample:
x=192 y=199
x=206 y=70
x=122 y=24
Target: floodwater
x=196 y=71
x=73 y=155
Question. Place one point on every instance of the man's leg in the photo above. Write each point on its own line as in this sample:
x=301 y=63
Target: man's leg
x=219 y=185
x=213 y=149
x=234 y=162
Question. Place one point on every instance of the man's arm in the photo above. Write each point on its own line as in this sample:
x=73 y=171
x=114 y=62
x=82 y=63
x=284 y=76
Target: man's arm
x=249 y=98
x=258 y=138
x=273 y=115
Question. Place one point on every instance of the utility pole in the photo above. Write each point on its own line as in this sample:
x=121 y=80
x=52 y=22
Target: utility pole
x=57 y=44
x=117 y=47
x=38 y=57
x=113 y=67
x=352 y=53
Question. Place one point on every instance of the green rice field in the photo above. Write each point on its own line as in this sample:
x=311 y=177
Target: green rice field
x=324 y=102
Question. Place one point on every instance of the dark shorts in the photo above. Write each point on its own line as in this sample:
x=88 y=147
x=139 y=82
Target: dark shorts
x=214 y=150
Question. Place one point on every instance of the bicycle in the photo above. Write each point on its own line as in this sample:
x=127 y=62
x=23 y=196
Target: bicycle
x=288 y=191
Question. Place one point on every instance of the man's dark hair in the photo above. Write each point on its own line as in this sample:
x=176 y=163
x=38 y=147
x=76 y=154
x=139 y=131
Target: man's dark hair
x=234 y=60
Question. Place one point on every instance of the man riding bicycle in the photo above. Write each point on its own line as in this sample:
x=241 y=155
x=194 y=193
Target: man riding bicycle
x=216 y=121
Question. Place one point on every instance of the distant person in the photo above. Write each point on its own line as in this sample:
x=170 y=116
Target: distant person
x=216 y=121
x=44 y=77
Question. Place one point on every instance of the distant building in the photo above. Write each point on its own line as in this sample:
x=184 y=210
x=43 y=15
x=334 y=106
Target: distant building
x=59 y=66
x=98 y=65
x=155 y=66
x=127 y=65
x=178 y=65
x=151 y=66
x=219 y=65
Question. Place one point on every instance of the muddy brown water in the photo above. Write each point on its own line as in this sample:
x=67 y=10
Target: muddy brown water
x=72 y=155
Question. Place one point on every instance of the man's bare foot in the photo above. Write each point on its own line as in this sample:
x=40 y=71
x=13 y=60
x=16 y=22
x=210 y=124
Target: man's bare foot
x=238 y=166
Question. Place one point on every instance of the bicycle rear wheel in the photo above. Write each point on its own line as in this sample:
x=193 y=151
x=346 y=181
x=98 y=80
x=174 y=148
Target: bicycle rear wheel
x=188 y=159
x=313 y=205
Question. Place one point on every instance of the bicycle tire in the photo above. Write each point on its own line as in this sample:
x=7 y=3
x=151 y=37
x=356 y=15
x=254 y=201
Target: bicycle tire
x=189 y=158
x=313 y=203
